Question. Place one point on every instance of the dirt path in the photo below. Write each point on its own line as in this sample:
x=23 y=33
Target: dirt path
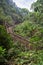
x=17 y=37
x=14 y=35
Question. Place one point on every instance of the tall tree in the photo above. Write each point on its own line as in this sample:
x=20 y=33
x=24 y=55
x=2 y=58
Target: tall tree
x=38 y=6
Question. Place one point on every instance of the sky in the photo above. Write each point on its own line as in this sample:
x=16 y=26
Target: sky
x=24 y=3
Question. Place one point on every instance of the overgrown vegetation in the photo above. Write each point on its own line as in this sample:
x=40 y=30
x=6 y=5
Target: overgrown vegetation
x=31 y=28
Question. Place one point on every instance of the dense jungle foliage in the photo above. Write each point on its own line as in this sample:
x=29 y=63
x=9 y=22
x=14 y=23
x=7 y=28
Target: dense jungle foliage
x=30 y=27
